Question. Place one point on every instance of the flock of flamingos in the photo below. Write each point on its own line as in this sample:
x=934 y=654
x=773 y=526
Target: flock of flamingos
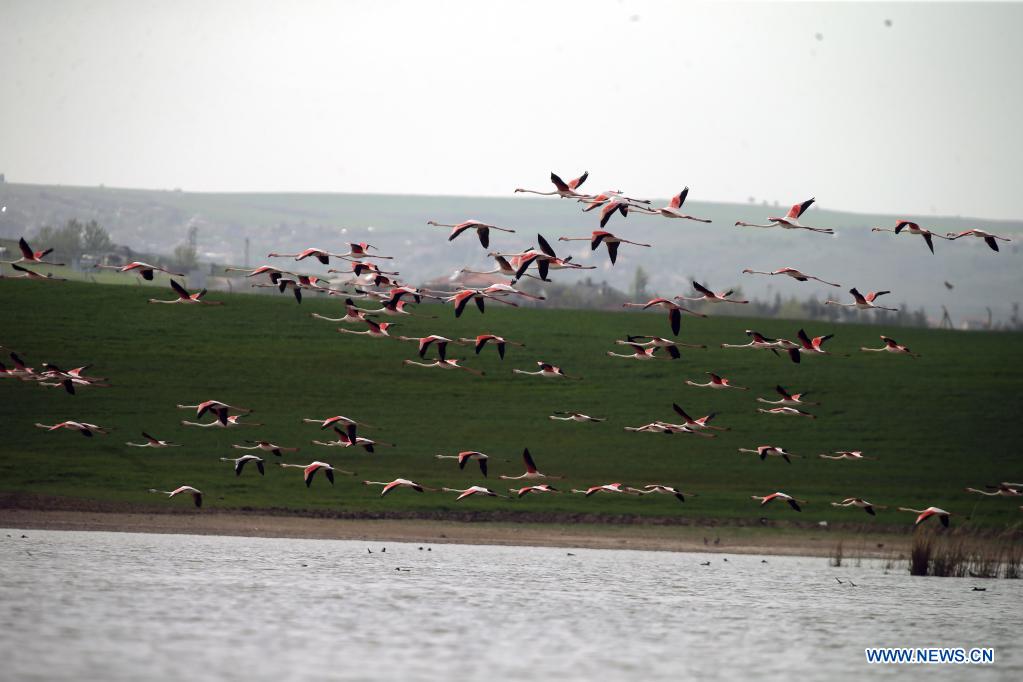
x=368 y=281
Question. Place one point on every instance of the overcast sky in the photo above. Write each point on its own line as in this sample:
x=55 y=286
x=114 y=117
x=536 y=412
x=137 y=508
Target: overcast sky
x=911 y=109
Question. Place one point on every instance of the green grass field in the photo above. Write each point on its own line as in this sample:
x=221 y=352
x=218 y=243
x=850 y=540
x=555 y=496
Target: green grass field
x=936 y=424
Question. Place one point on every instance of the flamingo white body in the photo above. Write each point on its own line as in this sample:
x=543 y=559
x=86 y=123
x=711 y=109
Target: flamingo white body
x=757 y=341
x=531 y=473
x=658 y=489
x=265 y=446
x=145 y=270
x=84 y=428
x=152 y=442
x=228 y=422
x=397 y=483
x=716 y=382
x=607 y=239
x=1000 y=490
x=607 y=488
x=374 y=330
x=449 y=363
x=542 y=488
x=31 y=274
x=789 y=272
x=912 y=228
x=891 y=346
x=924 y=514
x=575 y=417
x=473 y=490
x=862 y=301
x=345 y=440
x=240 y=462
x=673 y=209
x=859 y=502
x=309 y=471
x=182 y=490
x=482 y=229
x=765 y=451
x=498 y=341
x=547 y=371
x=990 y=239
x=786 y=412
x=674 y=311
x=852 y=455
x=782 y=497
x=565 y=190
x=790 y=221
x=328 y=422
x=467 y=456
x=30 y=256
x=185 y=297
x=701 y=423
x=709 y=296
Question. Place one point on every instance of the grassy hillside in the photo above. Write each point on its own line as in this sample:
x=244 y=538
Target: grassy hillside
x=155 y=221
x=937 y=424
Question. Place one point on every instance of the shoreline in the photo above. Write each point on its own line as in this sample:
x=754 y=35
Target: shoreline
x=29 y=512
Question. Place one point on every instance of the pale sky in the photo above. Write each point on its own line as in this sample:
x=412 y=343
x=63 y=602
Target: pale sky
x=772 y=101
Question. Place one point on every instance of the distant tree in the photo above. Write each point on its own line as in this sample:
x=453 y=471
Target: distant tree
x=639 y=284
x=185 y=256
x=94 y=239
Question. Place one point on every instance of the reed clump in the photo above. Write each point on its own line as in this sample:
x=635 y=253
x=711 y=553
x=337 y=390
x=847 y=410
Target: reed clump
x=836 y=555
x=966 y=553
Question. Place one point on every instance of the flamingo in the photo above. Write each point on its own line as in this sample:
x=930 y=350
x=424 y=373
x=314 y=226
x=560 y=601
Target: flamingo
x=607 y=488
x=925 y=514
x=424 y=344
x=891 y=346
x=309 y=471
x=575 y=417
x=461 y=298
x=500 y=342
x=862 y=302
x=546 y=370
x=789 y=272
x=532 y=473
x=31 y=274
x=216 y=407
x=482 y=229
x=793 y=502
x=195 y=493
x=787 y=412
x=989 y=239
x=352 y=314
x=853 y=455
x=361 y=250
x=814 y=345
x=240 y=462
x=1004 y=490
x=717 y=382
x=709 y=296
x=500 y=288
x=701 y=423
x=21 y=370
x=601 y=237
x=321 y=255
x=469 y=456
x=449 y=363
x=859 y=502
x=659 y=342
x=327 y=422
x=656 y=488
x=641 y=353
x=758 y=341
x=791 y=220
x=787 y=398
x=472 y=490
x=911 y=228
x=504 y=267
x=360 y=268
x=265 y=446
x=273 y=273
x=226 y=423
x=185 y=297
x=152 y=442
x=542 y=488
x=398 y=483
x=68 y=380
x=674 y=311
x=563 y=189
x=765 y=451
x=30 y=256
x=84 y=428
x=345 y=440
x=545 y=260
x=374 y=330
x=144 y=269
x=667 y=429
x=673 y=209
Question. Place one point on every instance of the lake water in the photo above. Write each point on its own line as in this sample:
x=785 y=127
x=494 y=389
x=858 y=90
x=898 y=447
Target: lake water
x=124 y=606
